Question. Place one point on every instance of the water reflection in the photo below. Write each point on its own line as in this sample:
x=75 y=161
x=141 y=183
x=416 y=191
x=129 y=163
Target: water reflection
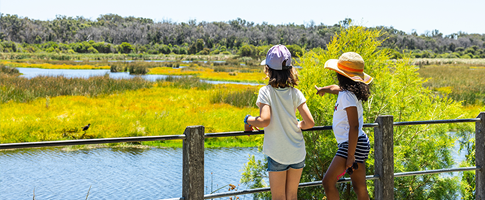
x=112 y=173
x=83 y=73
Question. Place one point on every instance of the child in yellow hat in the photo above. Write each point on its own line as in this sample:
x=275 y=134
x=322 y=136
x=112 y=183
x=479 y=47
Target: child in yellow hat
x=353 y=143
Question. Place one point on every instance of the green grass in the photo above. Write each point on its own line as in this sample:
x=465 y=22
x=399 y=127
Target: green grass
x=460 y=82
x=118 y=108
x=448 y=61
x=239 y=98
x=20 y=89
x=8 y=70
x=110 y=56
x=185 y=82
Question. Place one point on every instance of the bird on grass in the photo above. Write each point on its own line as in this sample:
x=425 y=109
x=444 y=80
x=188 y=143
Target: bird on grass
x=85 y=128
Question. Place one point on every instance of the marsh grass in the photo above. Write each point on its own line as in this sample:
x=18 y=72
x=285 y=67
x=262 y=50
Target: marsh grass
x=460 y=82
x=8 y=70
x=160 y=110
x=20 y=89
x=53 y=66
x=239 y=98
x=185 y=82
x=111 y=56
x=448 y=61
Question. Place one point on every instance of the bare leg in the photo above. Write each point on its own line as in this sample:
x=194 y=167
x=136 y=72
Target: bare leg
x=277 y=182
x=359 y=183
x=331 y=177
x=292 y=181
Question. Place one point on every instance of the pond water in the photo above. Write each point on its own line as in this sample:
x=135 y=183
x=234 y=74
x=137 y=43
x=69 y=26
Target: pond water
x=83 y=73
x=113 y=173
x=121 y=173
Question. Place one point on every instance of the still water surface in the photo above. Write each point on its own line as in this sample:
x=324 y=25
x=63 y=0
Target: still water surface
x=112 y=173
x=86 y=73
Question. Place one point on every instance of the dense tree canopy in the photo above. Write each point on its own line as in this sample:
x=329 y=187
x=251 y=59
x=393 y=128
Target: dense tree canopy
x=147 y=36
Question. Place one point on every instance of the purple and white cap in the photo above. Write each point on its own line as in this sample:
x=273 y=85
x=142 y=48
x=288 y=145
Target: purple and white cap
x=275 y=57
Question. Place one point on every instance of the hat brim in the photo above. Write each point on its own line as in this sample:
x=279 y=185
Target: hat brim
x=332 y=64
x=263 y=62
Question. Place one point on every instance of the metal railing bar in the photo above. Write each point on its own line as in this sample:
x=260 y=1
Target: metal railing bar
x=369 y=125
x=233 y=133
x=243 y=133
x=89 y=141
x=267 y=189
x=436 y=121
x=342 y=180
x=208 y=135
x=436 y=171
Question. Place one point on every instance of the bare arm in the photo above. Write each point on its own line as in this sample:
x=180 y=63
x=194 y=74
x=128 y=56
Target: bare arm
x=332 y=89
x=353 y=134
x=307 y=121
x=264 y=116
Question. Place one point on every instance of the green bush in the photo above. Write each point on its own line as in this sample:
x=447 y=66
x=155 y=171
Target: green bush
x=396 y=90
x=125 y=47
x=92 y=50
x=295 y=50
x=165 y=49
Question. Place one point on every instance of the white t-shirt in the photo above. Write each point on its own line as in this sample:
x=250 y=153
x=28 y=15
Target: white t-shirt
x=283 y=140
x=340 y=122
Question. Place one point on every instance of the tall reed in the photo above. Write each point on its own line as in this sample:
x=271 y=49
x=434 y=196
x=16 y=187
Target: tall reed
x=460 y=82
x=20 y=89
x=448 y=61
x=110 y=56
x=185 y=82
x=239 y=98
x=8 y=70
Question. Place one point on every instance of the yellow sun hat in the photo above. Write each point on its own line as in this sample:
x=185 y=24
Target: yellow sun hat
x=350 y=65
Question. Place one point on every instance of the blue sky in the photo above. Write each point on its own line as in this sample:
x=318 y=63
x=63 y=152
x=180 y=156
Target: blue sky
x=420 y=15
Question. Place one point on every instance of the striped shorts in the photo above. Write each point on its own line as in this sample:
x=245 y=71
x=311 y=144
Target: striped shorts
x=361 y=151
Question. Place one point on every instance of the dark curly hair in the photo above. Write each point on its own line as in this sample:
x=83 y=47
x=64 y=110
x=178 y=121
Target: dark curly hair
x=361 y=90
x=282 y=78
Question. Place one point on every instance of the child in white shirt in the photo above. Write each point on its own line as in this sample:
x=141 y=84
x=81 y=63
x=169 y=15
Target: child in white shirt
x=353 y=143
x=283 y=139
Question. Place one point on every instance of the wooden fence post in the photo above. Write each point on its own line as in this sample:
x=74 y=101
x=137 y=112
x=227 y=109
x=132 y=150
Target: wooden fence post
x=384 y=157
x=480 y=157
x=193 y=163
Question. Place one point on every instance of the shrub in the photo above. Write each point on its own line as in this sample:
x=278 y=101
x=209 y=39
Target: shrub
x=125 y=47
x=165 y=49
x=295 y=50
x=396 y=90
x=9 y=70
x=92 y=50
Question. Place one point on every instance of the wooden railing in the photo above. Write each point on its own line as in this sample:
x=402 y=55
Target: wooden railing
x=193 y=156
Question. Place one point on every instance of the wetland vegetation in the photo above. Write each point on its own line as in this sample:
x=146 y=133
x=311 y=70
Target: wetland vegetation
x=55 y=108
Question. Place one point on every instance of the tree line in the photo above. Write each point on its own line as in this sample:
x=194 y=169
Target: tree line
x=112 y=33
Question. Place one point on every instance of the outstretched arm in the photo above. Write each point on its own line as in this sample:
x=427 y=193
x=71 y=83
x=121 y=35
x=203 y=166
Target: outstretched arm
x=332 y=89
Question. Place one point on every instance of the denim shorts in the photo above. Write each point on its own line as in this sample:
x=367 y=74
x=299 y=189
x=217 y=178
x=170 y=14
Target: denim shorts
x=274 y=166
